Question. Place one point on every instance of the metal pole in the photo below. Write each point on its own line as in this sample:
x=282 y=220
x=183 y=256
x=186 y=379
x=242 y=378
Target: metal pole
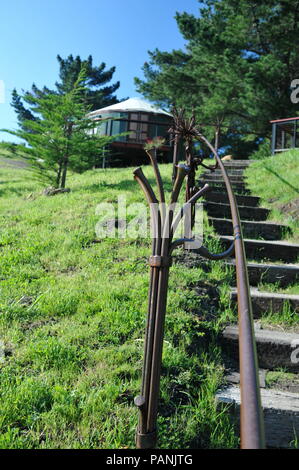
x=175 y=157
x=159 y=262
x=273 y=141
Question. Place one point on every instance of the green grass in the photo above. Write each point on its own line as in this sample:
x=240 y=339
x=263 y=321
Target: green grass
x=286 y=319
x=276 y=180
x=72 y=325
x=275 y=378
x=73 y=313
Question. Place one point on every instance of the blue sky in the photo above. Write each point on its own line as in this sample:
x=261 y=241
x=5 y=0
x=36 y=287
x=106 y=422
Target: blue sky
x=119 y=32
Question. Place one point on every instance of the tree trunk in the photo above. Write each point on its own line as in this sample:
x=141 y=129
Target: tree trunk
x=63 y=177
x=59 y=174
x=217 y=137
x=66 y=157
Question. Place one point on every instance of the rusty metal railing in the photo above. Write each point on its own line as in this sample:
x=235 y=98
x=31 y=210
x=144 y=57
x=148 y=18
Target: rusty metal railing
x=252 y=432
x=251 y=415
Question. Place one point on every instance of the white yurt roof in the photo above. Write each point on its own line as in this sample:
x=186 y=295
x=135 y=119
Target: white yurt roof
x=130 y=105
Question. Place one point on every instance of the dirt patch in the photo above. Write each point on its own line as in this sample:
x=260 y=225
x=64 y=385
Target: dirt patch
x=291 y=208
x=208 y=303
x=31 y=325
x=191 y=260
x=7 y=162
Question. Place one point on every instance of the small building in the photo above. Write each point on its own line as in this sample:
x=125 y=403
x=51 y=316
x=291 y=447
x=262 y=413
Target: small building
x=141 y=122
x=285 y=134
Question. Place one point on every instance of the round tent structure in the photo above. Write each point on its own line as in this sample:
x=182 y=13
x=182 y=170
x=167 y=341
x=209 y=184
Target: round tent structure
x=141 y=121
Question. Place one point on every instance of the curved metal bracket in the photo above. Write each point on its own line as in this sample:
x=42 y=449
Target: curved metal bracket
x=203 y=251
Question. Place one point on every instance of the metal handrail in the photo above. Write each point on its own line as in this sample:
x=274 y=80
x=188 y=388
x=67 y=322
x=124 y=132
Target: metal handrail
x=252 y=432
x=251 y=416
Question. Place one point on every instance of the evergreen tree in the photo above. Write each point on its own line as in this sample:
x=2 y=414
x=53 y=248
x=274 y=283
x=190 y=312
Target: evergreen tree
x=62 y=137
x=97 y=95
x=26 y=114
x=23 y=114
x=96 y=77
x=240 y=59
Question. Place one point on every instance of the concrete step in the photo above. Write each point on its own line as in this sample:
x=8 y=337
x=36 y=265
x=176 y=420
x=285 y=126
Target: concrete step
x=282 y=275
x=265 y=249
x=281 y=413
x=251 y=229
x=230 y=172
x=238 y=161
x=252 y=201
x=218 y=177
x=233 y=377
x=269 y=302
x=233 y=164
x=221 y=210
x=275 y=349
x=284 y=381
x=238 y=188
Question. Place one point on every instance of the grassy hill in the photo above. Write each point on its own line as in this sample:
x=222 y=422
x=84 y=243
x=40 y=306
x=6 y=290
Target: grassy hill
x=276 y=180
x=73 y=311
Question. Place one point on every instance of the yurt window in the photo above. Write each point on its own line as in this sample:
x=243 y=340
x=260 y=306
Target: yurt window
x=144 y=132
x=138 y=127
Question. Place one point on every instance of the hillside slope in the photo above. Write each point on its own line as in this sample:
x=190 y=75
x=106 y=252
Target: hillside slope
x=276 y=180
x=73 y=310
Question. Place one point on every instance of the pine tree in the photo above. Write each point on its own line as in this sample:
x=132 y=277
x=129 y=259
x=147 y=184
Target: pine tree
x=96 y=77
x=23 y=114
x=240 y=59
x=62 y=137
x=97 y=95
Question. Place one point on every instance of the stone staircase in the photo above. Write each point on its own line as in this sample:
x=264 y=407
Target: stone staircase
x=271 y=260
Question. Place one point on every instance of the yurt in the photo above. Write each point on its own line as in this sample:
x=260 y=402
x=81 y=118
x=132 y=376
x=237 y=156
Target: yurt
x=139 y=122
